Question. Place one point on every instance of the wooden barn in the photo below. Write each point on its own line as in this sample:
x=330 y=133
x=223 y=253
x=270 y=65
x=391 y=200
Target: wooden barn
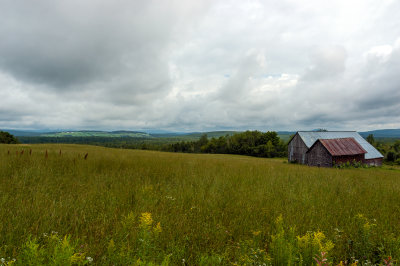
x=327 y=148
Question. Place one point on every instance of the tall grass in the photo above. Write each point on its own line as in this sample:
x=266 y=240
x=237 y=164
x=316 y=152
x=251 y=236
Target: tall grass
x=211 y=208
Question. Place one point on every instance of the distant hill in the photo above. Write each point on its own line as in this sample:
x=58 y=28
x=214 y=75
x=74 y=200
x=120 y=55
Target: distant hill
x=213 y=134
x=79 y=133
x=105 y=134
x=285 y=135
x=383 y=133
x=26 y=133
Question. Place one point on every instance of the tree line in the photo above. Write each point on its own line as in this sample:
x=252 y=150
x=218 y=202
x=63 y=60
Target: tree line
x=252 y=143
x=391 y=150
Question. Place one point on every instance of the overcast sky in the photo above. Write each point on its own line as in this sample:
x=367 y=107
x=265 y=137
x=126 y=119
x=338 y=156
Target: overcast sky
x=199 y=65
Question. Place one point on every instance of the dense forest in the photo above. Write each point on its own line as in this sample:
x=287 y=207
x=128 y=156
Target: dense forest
x=253 y=143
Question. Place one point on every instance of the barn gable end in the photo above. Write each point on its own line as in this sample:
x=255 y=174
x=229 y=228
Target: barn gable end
x=297 y=150
x=318 y=155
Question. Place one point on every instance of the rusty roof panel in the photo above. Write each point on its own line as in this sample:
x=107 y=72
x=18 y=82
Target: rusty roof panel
x=342 y=146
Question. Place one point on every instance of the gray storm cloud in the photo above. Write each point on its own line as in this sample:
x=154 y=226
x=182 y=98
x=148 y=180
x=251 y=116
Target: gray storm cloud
x=67 y=43
x=199 y=65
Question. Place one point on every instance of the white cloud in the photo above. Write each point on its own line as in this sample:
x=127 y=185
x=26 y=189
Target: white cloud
x=200 y=65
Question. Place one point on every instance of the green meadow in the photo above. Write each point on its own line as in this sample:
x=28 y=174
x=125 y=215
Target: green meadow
x=133 y=207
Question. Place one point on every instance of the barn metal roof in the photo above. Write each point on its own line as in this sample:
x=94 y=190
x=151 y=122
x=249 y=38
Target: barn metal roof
x=343 y=146
x=310 y=137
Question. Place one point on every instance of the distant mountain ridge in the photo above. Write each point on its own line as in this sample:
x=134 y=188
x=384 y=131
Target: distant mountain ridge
x=380 y=133
x=25 y=133
x=80 y=133
x=86 y=133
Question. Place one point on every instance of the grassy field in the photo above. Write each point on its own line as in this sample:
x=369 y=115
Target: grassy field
x=141 y=207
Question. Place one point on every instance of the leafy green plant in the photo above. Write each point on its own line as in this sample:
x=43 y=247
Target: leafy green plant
x=50 y=249
x=136 y=241
x=283 y=248
x=364 y=242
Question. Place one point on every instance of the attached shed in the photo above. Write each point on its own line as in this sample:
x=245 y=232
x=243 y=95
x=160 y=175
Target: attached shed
x=302 y=141
x=328 y=152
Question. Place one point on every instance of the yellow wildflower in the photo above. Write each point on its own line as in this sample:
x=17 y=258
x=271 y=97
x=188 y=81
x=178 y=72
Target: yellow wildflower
x=318 y=237
x=65 y=242
x=279 y=219
x=77 y=257
x=328 y=246
x=316 y=240
x=111 y=246
x=368 y=226
x=146 y=220
x=303 y=241
x=157 y=229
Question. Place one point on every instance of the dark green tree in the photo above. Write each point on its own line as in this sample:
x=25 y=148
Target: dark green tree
x=396 y=146
x=201 y=143
x=371 y=139
x=391 y=156
x=7 y=138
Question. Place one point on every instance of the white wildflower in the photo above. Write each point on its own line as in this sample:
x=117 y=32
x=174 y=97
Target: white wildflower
x=89 y=259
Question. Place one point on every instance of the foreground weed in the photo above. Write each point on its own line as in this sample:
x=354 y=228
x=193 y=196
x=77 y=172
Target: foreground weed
x=251 y=254
x=138 y=244
x=137 y=241
x=49 y=250
x=321 y=259
x=207 y=260
x=313 y=243
x=363 y=243
x=283 y=247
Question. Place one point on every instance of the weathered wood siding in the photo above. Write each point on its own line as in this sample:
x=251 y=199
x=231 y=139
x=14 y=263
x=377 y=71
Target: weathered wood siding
x=374 y=162
x=297 y=150
x=348 y=158
x=318 y=155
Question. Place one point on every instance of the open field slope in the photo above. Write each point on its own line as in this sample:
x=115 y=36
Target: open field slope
x=211 y=208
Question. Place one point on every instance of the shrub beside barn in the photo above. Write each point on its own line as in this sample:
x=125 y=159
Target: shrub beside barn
x=328 y=148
